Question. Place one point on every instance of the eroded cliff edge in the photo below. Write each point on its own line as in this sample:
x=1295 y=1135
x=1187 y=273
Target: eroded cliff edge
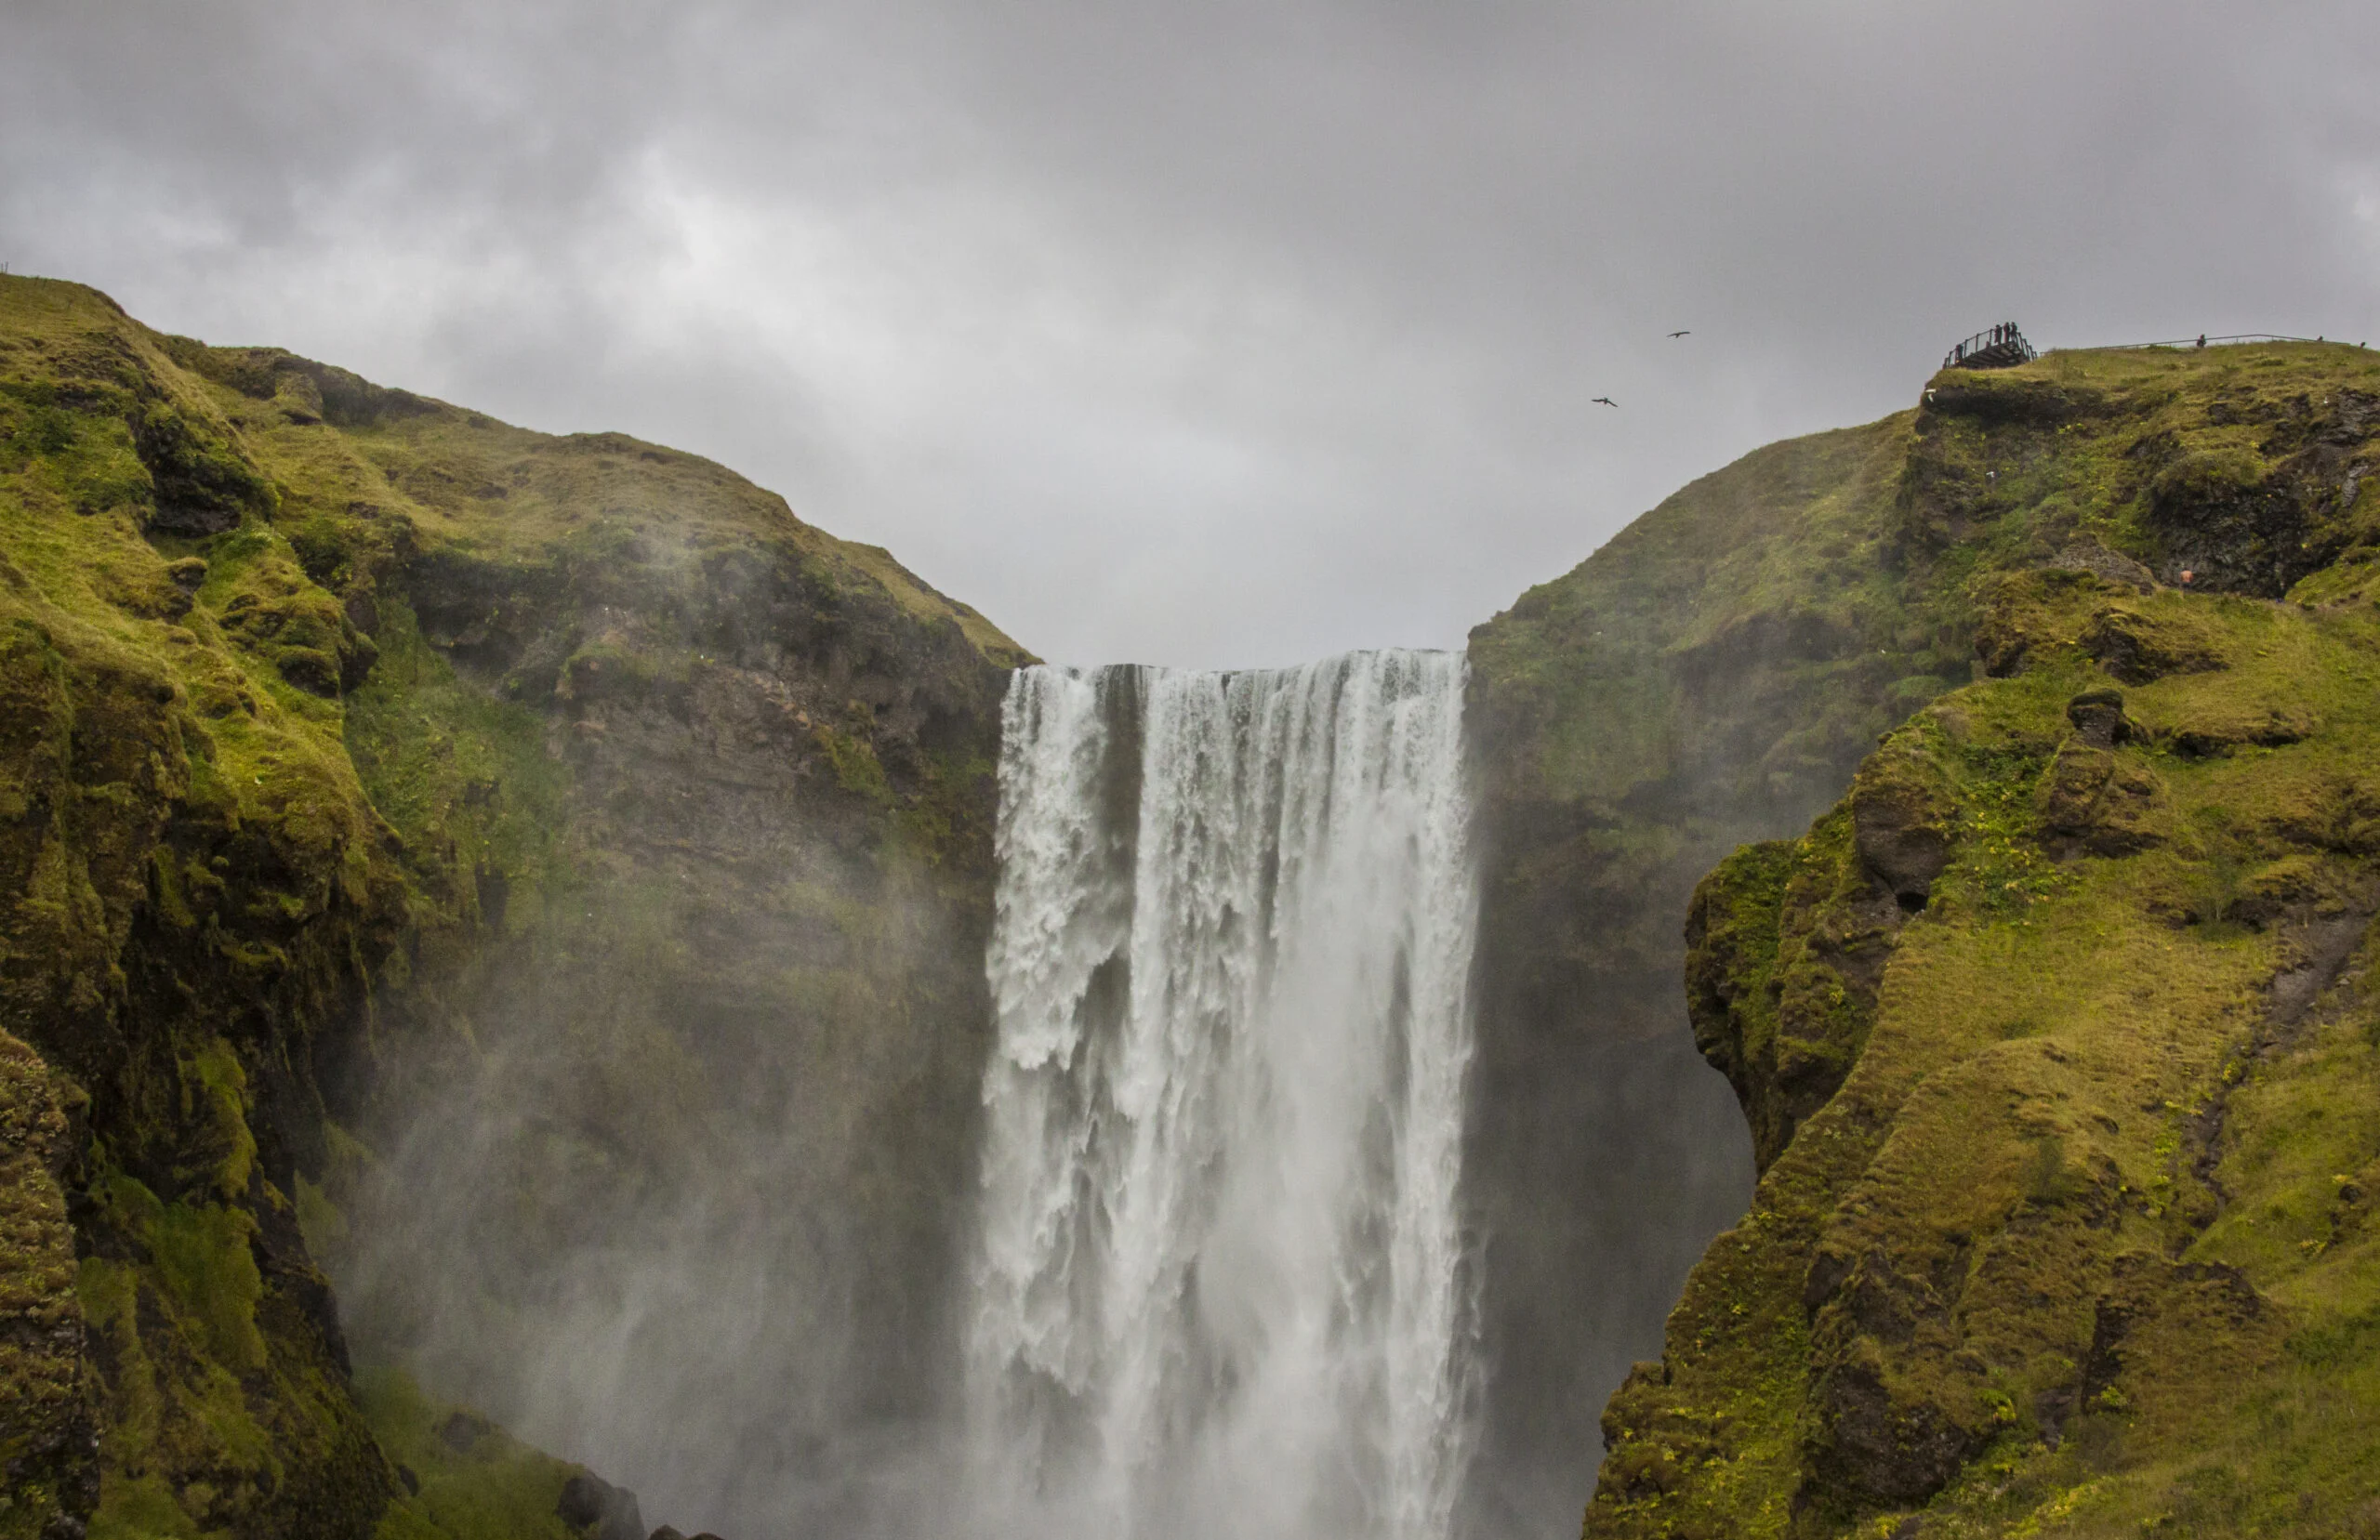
x=2053 y=1036
x=354 y=743
x=1712 y=676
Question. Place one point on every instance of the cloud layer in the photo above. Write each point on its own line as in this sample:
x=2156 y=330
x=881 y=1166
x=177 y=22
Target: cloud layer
x=1222 y=334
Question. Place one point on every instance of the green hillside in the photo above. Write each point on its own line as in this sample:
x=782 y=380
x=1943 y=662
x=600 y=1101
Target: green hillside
x=325 y=712
x=2054 y=1035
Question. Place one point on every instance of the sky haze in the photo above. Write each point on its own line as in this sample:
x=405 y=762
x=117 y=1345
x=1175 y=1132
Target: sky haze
x=1214 y=335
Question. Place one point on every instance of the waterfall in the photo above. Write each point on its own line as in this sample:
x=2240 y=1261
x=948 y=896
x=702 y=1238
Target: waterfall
x=1221 y=1288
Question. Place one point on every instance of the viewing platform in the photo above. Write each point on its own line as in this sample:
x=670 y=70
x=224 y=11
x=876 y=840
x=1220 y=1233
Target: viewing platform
x=2003 y=347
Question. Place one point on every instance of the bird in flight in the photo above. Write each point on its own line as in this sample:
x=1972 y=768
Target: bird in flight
x=1681 y=333
x=1605 y=400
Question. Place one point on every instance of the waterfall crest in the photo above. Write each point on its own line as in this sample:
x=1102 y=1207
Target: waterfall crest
x=1221 y=1286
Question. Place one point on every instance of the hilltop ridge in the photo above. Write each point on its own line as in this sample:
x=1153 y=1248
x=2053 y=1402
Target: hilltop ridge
x=2052 y=1037
x=366 y=762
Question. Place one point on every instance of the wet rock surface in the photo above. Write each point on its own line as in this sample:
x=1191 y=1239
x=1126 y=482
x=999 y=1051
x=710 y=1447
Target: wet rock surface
x=598 y=1509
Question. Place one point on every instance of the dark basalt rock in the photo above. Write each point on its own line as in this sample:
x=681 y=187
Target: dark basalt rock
x=2094 y=801
x=201 y=488
x=1786 y=1043
x=47 y=1408
x=461 y=1430
x=585 y=1500
x=2020 y=399
x=2098 y=802
x=604 y=1511
x=2098 y=718
x=2240 y=525
x=1901 y=818
x=1876 y=1447
x=2089 y=556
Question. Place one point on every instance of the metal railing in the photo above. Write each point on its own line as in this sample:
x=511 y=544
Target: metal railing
x=2000 y=347
x=2194 y=343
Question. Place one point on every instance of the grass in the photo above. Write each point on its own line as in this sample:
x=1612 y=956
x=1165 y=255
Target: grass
x=466 y=779
x=300 y=681
x=2075 y=1244
x=470 y=1481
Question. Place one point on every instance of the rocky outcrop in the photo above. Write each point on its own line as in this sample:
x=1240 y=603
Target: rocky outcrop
x=1713 y=675
x=600 y=1510
x=2050 y=1222
x=363 y=759
x=50 y=1445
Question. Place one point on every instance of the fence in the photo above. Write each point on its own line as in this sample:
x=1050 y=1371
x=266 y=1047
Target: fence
x=2194 y=343
x=2000 y=348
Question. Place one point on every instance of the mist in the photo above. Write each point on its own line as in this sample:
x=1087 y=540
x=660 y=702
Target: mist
x=673 y=1230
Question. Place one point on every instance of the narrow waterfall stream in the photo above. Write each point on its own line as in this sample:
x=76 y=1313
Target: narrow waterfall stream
x=1221 y=1286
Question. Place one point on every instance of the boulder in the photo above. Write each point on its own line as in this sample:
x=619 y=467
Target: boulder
x=598 y=1509
x=1901 y=818
x=2098 y=719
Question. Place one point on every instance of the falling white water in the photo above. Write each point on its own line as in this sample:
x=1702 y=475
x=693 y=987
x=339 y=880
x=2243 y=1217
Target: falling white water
x=1220 y=1291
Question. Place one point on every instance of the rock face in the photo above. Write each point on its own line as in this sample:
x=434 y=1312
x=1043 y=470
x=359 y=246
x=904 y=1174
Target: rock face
x=407 y=820
x=598 y=1509
x=1712 y=675
x=45 y=1403
x=2054 y=1033
x=689 y=1129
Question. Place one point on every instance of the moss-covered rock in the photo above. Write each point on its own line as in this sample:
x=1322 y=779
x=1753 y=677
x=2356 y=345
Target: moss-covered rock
x=1713 y=675
x=2030 y=1048
x=325 y=712
x=50 y=1445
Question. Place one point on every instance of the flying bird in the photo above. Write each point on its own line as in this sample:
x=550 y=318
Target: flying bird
x=1605 y=400
x=1681 y=333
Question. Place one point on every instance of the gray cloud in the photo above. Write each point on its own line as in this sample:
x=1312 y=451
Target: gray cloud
x=1221 y=333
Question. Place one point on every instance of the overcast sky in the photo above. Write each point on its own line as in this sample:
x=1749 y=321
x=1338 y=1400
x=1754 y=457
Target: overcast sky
x=1198 y=333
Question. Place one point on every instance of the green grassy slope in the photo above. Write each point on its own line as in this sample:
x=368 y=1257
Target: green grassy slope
x=304 y=692
x=2054 y=1035
x=1727 y=661
x=1722 y=661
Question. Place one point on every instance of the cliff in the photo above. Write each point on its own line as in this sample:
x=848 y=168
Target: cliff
x=1712 y=675
x=2052 y=1034
x=370 y=768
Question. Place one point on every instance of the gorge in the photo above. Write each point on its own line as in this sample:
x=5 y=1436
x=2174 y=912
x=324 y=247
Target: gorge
x=517 y=951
